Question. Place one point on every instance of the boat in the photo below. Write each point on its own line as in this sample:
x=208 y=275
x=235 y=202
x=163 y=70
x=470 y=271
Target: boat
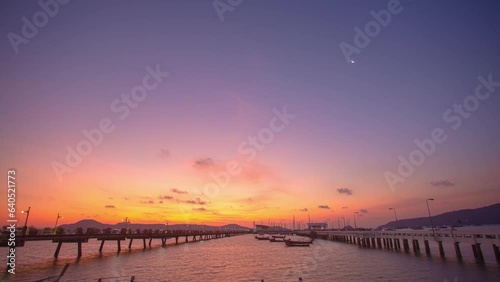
x=278 y=236
x=262 y=237
x=277 y=239
x=298 y=242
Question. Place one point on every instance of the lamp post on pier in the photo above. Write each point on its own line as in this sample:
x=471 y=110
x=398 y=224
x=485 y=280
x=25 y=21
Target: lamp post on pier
x=430 y=217
x=57 y=220
x=395 y=216
x=25 y=228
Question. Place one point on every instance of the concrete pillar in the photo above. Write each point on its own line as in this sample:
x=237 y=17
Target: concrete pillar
x=56 y=254
x=457 y=250
x=177 y=240
x=119 y=245
x=405 y=245
x=418 y=245
x=478 y=253
x=150 y=240
x=427 y=248
x=385 y=242
x=102 y=245
x=130 y=244
x=415 y=249
x=497 y=252
x=441 y=249
x=144 y=243
x=79 y=249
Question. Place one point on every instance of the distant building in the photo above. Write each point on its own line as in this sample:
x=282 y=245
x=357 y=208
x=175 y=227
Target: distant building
x=260 y=227
x=317 y=226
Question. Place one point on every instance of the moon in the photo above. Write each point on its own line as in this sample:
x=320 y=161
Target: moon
x=352 y=61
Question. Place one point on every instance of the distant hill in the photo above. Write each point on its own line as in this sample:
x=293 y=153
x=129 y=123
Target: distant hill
x=481 y=216
x=90 y=223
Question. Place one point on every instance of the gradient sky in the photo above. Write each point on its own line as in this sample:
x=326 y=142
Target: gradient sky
x=352 y=120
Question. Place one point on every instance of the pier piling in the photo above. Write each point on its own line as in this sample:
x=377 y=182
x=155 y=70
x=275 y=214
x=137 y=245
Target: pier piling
x=427 y=247
x=497 y=252
x=441 y=249
x=457 y=250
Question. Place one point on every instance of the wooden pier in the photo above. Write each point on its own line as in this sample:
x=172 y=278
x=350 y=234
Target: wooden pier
x=401 y=240
x=79 y=239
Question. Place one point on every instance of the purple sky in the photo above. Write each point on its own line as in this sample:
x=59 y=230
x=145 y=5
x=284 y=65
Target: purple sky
x=353 y=120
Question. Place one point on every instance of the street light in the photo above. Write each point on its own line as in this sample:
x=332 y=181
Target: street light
x=430 y=217
x=395 y=216
x=343 y=218
x=355 y=227
x=25 y=228
x=57 y=220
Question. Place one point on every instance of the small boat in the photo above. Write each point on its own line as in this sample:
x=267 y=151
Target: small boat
x=298 y=242
x=277 y=239
x=278 y=236
x=262 y=237
x=55 y=278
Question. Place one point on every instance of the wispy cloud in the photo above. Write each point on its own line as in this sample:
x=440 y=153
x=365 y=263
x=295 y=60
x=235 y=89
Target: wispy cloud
x=363 y=210
x=324 y=207
x=109 y=206
x=344 y=207
x=303 y=210
x=203 y=163
x=346 y=191
x=165 y=197
x=199 y=209
x=444 y=183
x=149 y=202
x=164 y=154
x=175 y=190
x=196 y=201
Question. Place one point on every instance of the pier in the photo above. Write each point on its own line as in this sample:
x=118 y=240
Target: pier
x=411 y=240
x=190 y=236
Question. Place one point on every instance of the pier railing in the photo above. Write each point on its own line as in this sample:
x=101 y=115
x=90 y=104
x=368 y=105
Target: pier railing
x=190 y=236
x=394 y=239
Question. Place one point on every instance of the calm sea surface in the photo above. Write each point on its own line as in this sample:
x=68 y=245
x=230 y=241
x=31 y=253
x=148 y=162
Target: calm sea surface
x=242 y=258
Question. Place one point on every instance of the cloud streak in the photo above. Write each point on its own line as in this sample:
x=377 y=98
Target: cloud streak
x=175 y=190
x=345 y=191
x=203 y=163
x=324 y=207
x=443 y=183
x=196 y=201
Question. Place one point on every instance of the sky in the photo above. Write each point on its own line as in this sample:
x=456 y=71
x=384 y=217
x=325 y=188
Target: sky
x=249 y=111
